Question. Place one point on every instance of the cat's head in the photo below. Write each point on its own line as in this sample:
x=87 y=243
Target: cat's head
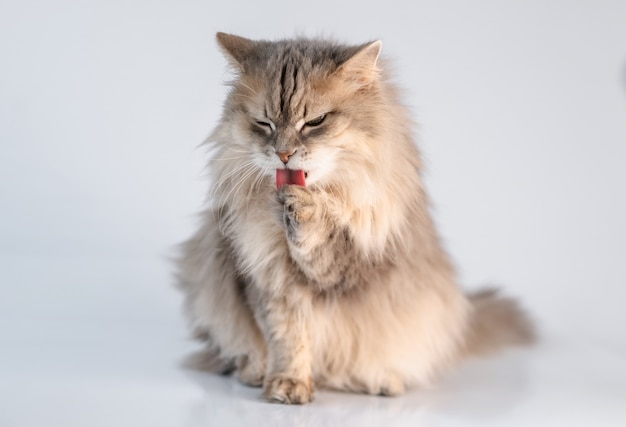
x=302 y=104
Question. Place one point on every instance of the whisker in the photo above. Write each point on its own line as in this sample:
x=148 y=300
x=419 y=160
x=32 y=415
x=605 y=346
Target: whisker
x=225 y=178
x=244 y=96
x=243 y=170
x=237 y=187
x=230 y=148
x=259 y=180
x=249 y=88
x=223 y=186
x=238 y=169
x=230 y=158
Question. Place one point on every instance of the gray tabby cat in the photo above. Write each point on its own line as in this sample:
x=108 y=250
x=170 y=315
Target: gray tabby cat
x=317 y=261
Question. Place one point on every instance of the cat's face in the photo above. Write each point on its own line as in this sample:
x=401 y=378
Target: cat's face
x=302 y=105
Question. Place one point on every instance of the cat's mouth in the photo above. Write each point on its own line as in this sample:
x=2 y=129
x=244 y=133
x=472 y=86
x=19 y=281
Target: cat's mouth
x=291 y=177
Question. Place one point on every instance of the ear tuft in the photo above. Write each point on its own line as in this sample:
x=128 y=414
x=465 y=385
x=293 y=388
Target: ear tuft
x=236 y=48
x=361 y=67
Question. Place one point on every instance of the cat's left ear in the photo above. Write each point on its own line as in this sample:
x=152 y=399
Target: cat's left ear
x=361 y=68
x=236 y=48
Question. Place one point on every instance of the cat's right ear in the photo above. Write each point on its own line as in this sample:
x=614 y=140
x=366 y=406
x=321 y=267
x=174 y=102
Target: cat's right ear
x=236 y=48
x=361 y=70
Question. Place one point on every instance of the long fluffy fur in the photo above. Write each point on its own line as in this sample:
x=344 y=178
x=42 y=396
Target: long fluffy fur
x=343 y=283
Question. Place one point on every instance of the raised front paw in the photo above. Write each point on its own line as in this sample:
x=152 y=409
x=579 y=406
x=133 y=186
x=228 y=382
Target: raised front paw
x=298 y=206
x=281 y=389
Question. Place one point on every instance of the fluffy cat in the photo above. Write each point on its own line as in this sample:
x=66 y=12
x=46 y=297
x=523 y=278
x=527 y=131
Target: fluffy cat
x=317 y=261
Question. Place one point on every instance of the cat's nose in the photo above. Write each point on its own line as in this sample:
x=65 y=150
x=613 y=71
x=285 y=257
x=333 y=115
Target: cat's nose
x=285 y=155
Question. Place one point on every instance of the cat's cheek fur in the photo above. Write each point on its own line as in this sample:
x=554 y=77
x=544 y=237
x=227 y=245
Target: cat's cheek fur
x=320 y=163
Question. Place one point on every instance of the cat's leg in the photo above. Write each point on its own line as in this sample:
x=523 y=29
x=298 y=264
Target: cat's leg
x=216 y=304
x=285 y=316
x=318 y=244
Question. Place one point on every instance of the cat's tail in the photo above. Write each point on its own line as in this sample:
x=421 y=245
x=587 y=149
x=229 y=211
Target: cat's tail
x=497 y=322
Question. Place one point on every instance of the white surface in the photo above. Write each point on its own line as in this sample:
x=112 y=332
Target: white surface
x=522 y=107
x=93 y=360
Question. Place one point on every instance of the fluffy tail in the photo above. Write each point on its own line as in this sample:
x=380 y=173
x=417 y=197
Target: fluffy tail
x=497 y=322
x=209 y=359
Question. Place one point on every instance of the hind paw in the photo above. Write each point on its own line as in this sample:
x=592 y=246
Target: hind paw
x=250 y=371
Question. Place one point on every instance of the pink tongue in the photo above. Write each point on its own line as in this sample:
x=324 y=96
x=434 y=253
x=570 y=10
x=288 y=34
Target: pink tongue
x=290 y=177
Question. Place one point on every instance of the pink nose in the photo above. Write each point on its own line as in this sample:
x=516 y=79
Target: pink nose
x=285 y=155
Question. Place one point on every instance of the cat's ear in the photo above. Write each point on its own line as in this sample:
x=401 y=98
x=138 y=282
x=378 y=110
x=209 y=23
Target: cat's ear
x=236 y=48
x=361 y=68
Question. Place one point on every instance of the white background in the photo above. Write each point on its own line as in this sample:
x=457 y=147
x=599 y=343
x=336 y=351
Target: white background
x=522 y=121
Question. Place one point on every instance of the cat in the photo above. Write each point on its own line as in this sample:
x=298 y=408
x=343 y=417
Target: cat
x=317 y=262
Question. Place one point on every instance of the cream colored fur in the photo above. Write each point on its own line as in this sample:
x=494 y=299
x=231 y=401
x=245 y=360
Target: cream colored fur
x=342 y=283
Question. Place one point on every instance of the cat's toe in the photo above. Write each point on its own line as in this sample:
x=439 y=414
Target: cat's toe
x=288 y=390
x=298 y=207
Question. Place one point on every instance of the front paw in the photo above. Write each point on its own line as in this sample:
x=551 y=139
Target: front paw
x=298 y=206
x=281 y=389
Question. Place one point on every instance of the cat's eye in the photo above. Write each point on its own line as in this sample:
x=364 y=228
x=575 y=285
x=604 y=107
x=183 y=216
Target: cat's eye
x=265 y=125
x=316 y=121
